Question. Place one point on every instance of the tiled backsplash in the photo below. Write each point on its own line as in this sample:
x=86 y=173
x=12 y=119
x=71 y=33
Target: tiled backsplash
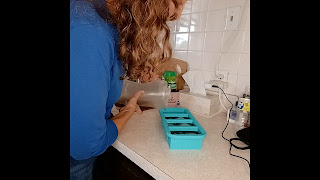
x=201 y=38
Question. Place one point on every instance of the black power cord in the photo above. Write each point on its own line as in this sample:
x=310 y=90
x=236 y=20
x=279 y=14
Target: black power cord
x=229 y=140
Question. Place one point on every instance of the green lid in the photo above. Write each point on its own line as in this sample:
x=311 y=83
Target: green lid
x=169 y=73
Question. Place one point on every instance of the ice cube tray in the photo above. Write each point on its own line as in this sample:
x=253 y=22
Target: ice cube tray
x=182 y=130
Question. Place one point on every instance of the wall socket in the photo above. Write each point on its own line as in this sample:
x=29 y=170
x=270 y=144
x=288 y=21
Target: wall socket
x=222 y=75
x=221 y=84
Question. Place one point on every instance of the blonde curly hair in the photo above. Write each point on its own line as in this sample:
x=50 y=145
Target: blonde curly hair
x=144 y=34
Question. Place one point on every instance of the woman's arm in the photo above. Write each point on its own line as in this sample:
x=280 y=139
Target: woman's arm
x=91 y=60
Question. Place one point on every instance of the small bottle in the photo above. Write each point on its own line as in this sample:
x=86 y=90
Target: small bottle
x=174 y=98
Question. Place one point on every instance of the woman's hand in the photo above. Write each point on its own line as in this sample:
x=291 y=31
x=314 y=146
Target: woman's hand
x=127 y=111
x=132 y=103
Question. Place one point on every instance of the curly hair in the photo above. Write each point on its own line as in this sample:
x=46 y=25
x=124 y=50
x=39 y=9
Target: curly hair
x=144 y=33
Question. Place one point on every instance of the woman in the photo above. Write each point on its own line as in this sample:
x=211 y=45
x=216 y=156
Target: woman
x=108 y=41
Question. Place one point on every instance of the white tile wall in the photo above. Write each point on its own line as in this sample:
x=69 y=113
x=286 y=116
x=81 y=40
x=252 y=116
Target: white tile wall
x=194 y=60
x=198 y=5
x=183 y=55
x=183 y=24
x=217 y=4
x=216 y=20
x=210 y=61
x=246 y=43
x=230 y=62
x=198 y=22
x=196 y=41
x=200 y=38
x=182 y=41
x=232 y=3
x=232 y=41
x=244 y=65
x=213 y=41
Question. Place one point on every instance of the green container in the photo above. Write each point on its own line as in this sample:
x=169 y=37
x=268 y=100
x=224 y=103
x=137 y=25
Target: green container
x=170 y=77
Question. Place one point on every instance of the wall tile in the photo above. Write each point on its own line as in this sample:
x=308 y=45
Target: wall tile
x=196 y=41
x=217 y=4
x=244 y=65
x=248 y=19
x=216 y=20
x=232 y=81
x=232 y=3
x=230 y=62
x=232 y=41
x=198 y=22
x=187 y=7
x=199 y=5
x=242 y=82
x=213 y=41
x=210 y=61
x=182 y=55
x=194 y=60
x=243 y=18
x=246 y=43
x=183 y=24
x=182 y=41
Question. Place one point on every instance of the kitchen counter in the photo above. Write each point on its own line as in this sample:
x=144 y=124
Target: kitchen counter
x=144 y=142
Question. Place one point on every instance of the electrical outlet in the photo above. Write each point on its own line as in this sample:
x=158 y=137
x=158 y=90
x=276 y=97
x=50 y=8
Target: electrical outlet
x=222 y=75
x=216 y=84
x=221 y=84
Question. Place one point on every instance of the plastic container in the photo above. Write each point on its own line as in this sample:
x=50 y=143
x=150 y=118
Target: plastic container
x=170 y=77
x=182 y=130
x=156 y=93
x=242 y=120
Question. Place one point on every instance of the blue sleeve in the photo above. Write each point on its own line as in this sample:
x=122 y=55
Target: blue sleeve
x=91 y=59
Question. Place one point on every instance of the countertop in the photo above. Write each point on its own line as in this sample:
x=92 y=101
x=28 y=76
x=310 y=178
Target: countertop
x=144 y=142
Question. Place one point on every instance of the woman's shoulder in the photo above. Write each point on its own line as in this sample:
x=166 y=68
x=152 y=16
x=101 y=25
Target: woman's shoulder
x=83 y=13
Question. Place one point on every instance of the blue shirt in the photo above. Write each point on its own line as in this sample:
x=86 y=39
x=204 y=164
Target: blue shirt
x=95 y=83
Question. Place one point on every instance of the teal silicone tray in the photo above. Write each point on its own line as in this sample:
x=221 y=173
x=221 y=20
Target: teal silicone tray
x=181 y=128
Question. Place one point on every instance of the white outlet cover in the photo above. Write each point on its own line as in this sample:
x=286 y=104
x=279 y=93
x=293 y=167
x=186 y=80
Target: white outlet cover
x=233 y=16
x=224 y=73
